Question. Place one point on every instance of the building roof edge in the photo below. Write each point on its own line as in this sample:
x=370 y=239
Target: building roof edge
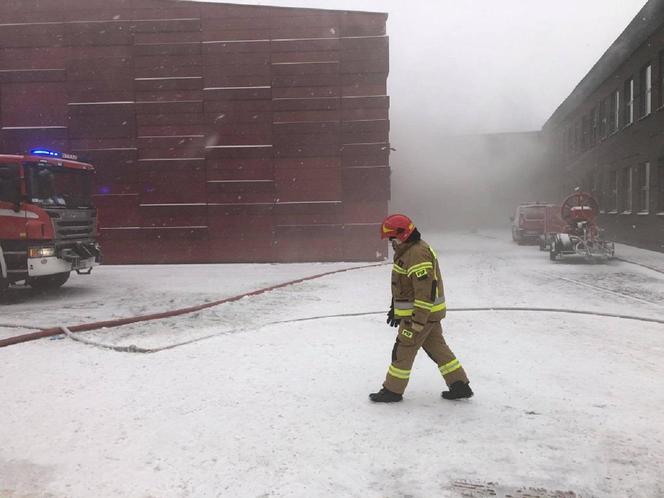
x=279 y=7
x=649 y=18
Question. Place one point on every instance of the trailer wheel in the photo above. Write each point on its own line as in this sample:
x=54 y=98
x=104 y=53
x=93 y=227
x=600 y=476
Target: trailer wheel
x=555 y=248
x=4 y=284
x=48 y=282
x=542 y=243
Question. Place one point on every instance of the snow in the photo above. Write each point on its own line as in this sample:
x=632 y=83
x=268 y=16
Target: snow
x=275 y=404
x=648 y=259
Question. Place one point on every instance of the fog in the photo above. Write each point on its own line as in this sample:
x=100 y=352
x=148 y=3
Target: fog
x=459 y=70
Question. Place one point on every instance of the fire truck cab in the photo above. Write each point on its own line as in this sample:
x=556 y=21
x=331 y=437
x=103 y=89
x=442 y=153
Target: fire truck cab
x=48 y=225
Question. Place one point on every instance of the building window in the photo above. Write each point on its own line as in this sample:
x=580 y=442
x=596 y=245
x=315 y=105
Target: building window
x=645 y=90
x=598 y=182
x=644 y=188
x=577 y=136
x=629 y=101
x=612 y=191
x=585 y=127
x=594 y=125
x=614 y=112
x=602 y=118
x=628 y=189
x=660 y=185
x=661 y=78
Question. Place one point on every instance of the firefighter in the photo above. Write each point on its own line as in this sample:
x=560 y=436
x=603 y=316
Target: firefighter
x=418 y=306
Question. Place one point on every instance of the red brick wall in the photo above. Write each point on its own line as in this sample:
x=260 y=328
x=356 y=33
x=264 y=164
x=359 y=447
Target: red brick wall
x=221 y=133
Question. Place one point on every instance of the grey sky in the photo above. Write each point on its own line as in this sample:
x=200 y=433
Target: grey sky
x=484 y=65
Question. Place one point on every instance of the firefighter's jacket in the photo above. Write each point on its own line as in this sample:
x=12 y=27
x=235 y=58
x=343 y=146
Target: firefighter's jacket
x=417 y=285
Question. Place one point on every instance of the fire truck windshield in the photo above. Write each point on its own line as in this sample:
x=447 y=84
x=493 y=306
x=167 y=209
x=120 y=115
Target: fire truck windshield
x=57 y=186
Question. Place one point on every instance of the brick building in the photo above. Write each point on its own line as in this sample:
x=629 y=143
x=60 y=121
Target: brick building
x=608 y=135
x=220 y=132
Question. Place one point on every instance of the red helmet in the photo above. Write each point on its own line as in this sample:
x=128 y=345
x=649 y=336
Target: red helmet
x=397 y=225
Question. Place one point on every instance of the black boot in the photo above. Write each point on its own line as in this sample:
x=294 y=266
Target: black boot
x=385 y=396
x=458 y=390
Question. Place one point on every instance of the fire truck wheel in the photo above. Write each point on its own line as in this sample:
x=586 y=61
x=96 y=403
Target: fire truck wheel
x=49 y=282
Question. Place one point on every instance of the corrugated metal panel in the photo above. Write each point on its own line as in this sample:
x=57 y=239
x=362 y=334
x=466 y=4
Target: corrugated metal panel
x=220 y=132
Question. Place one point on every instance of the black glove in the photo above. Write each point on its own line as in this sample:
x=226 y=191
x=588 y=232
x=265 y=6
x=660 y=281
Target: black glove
x=391 y=321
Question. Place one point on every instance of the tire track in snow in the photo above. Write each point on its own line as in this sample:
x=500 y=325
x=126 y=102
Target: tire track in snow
x=652 y=268
x=592 y=286
x=603 y=289
x=580 y=283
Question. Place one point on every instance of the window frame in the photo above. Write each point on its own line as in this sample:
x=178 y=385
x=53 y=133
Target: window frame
x=628 y=190
x=615 y=112
x=585 y=132
x=644 y=187
x=645 y=91
x=603 y=119
x=598 y=182
x=629 y=102
x=594 y=125
x=660 y=187
x=661 y=79
x=612 y=181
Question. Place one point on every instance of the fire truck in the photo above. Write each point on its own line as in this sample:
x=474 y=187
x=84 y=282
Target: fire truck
x=48 y=225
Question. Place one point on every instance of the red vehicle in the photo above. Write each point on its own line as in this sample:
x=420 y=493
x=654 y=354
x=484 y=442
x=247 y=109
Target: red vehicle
x=48 y=225
x=531 y=221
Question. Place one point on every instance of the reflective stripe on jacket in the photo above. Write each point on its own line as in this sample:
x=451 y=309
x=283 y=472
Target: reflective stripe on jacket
x=417 y=284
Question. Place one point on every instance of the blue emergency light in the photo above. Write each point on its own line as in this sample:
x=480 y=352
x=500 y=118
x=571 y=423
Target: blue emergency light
x=44 y=152
x=52 y=153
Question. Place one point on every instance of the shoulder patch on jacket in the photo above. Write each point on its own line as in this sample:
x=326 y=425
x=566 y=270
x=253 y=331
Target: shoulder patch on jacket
x=421 y=274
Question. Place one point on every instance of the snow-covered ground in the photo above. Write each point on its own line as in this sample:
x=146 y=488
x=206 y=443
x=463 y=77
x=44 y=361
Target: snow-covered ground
x=261 y=403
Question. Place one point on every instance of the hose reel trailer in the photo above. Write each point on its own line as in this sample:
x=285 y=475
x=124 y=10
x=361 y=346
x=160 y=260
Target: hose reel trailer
x=581 y=235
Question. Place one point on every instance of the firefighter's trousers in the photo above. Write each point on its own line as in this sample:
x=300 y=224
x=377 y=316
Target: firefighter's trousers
x=405 y=349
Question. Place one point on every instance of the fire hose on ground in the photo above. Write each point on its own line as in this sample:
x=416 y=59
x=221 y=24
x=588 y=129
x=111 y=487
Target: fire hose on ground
x=136 y=349
x=49 y=332
x=70 y=331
